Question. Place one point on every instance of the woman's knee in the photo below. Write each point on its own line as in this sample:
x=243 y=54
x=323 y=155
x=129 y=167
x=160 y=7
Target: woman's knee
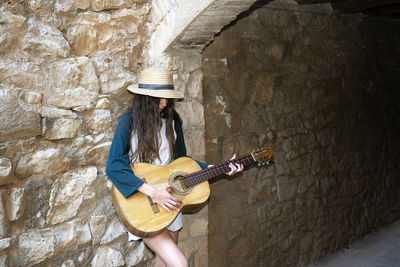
x=181 y=262
x=176 y=260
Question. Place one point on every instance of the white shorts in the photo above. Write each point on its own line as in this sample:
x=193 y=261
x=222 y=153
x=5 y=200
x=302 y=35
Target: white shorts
x=174 y=226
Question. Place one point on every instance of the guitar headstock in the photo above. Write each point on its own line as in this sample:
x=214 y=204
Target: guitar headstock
x=263 y=156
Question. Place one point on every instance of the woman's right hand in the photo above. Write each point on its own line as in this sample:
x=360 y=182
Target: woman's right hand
x=162 y=197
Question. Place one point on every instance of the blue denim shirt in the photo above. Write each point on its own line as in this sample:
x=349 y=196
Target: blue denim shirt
x=118 y=162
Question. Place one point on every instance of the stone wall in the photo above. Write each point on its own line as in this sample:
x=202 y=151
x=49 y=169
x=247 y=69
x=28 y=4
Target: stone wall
x=322 y=92
x=64 y=69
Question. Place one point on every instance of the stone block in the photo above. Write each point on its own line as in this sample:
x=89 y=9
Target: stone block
x=5 y=243
x=62 y=128
x=100 y=5
x=286 y=188
x=16 y=203
x=51 y=112
x=35 y=246
x=15 y=121
x=68 y=263
x=82 y=39
x=45 y=40
x=103 y=103
x=137 y=253
x=46 y=162
x=68 y=193
x=194 y=87
x=253 y=123
x=191 y=113
x=114 y=71
x=113 y=231
x=3 y=260
x=71 y=235
x=103 y=31
x=40 y=7
x=84 y=234
x=263 y=90
x=75 y=84
x=106 y=256
x=5 y=170
x=98 y=154
x=98 y=225
x=98 y=120
x=65 y=236
x=67 y=6
x=10 y=28
x=4 y=223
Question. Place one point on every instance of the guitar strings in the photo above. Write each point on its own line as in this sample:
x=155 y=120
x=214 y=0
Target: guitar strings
x=203 y=175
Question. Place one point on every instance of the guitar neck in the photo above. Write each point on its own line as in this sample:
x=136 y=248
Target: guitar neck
x=216 y=170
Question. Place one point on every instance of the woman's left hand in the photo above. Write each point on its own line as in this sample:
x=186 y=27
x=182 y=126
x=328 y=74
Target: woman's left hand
x=235 y=168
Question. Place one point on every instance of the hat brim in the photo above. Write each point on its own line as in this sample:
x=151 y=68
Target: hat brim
x=155 y=93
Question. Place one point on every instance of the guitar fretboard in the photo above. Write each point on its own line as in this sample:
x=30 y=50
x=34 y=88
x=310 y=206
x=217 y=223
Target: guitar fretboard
x=216 y=170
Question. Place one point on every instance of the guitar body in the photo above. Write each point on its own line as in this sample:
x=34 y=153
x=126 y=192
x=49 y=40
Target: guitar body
x=145 y=219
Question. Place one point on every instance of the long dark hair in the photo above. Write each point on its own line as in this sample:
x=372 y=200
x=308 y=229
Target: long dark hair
x=146 y=124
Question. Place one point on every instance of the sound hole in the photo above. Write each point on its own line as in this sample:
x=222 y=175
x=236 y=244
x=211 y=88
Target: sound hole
x=178 y=182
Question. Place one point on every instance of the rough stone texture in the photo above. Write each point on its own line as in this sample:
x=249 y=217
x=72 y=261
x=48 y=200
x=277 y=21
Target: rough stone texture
x=64 y=69
x=137 y=253
x=50 y=112
x=99 y=121
x=4 y=223
x=44 y=40
x=35 y=246
x=62 y=128
x=16 y=203
x=75 y=84
x=3 y=260
x=68 y=263
x=66 y=235
x=98 y=227
x=113 y=231
x=321 y=92
x=9 y=23
x=16 y=121
x=5 y=170
x=5 y=243
x=46 y=162
x=68 y=192
x=107 y=257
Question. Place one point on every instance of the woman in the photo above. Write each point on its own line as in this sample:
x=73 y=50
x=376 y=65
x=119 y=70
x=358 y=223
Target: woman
x=151 y=131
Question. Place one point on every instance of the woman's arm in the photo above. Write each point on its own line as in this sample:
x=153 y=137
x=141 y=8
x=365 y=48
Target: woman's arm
x=118 y=163
x=120 y=173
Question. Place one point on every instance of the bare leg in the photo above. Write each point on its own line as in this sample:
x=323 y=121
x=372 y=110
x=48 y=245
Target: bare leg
x=166 y=249
x=159 y=261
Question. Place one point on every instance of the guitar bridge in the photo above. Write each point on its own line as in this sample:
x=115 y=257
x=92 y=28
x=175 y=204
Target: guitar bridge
x=153 y=205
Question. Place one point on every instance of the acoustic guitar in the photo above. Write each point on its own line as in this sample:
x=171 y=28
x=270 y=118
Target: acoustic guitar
x=142 y=217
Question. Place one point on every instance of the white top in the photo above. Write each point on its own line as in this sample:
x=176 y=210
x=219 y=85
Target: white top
x=164 y=149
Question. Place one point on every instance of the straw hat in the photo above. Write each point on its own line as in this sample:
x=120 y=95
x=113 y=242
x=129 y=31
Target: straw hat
x=157 y=83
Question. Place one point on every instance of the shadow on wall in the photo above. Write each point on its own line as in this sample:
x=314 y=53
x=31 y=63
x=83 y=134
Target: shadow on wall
x=320 y=90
